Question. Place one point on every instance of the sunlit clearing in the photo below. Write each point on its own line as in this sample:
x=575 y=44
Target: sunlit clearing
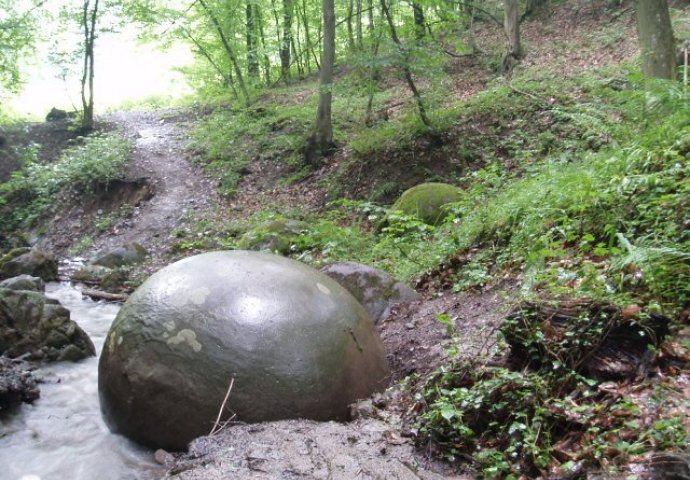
x=127 y=72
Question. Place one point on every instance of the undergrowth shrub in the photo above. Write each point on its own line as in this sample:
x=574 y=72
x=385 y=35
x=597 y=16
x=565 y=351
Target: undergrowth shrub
x=92 y=163
x=530 y=424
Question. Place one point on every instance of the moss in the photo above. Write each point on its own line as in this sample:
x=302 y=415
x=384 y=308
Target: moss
x=426 y=201
x=276 y=235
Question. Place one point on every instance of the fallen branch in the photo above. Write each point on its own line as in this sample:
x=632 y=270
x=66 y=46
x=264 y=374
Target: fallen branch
x=222 y=407
x=101 y=295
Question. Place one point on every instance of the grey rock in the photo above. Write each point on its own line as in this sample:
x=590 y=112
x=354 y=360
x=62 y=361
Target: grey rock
x=26 y=261
x=34 y=325
x=292 y=341
x=376 y=290
x=24 y=282
x=91 y=274
x=128 y=254
x=17 y=384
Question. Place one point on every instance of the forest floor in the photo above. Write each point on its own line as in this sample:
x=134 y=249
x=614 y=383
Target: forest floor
x=168 y=193
x=165 y=192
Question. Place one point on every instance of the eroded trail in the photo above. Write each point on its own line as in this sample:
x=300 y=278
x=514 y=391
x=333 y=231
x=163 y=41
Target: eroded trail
x=179 y=188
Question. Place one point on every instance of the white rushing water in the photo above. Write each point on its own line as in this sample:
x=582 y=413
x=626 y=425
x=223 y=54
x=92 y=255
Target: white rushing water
x=62 y=435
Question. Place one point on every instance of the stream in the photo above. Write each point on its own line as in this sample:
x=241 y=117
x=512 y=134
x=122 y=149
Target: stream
x=62 y=435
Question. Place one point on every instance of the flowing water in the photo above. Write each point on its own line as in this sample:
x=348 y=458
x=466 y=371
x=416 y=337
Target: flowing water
x=62 y=435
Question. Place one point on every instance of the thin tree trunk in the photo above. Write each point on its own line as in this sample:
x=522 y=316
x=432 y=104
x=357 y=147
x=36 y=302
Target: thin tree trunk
x=406 y=66
x=656 y=39
x=266 y=60
x=360 y=41
x=370 y=27
x=350 y=27
x=511 y=24
x=227 y=77
x=419 y=21
x=228 y=50
x=373 y=78
x=287 y=42
x=87 y=98
x=296 y=54
x=310 y=45
x=252 y=58
x=321 y=141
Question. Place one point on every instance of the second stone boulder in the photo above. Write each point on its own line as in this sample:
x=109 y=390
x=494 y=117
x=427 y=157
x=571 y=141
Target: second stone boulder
x=376 y=290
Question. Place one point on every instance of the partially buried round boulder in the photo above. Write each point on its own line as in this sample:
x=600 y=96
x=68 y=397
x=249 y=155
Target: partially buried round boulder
x=376 y=290
x=293 y=342
x=27 y=261
x=426 y=201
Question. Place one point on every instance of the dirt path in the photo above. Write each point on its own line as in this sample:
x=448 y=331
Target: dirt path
x=179 y=188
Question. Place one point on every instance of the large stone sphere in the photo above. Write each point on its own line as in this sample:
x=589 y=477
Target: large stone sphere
x=294 y=343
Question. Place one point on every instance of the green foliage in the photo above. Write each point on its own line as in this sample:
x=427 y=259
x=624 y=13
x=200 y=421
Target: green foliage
x=510 y=422
x=91 y=163
x=589 y=210
x=17 y=39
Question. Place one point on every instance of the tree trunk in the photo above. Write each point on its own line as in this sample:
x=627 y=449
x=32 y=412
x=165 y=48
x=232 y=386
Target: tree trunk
x=406 y=66
x=656 y=39
x=228 y=49
x=310 y=45
x=350 y=26
x=321 y=142
x=262 y=36
x=511 y=24
x=89 y=18
x=360 y=44
x=370 y=14
x=252 y=44
x=419 y=21
x=227 y=77
x=287 y=42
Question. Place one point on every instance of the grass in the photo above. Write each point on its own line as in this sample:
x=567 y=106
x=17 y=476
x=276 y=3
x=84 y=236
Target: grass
x=92 y=162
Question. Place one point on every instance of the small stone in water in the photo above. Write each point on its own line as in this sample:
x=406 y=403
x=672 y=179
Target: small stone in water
x=163 y=457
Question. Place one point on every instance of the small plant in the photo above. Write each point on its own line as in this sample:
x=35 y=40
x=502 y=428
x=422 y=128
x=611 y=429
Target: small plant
x=92 y=163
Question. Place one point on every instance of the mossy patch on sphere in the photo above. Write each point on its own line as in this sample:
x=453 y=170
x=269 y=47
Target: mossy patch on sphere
x=426 y=201
x=294 y=342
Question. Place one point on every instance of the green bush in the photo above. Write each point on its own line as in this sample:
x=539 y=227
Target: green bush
x=93 y=162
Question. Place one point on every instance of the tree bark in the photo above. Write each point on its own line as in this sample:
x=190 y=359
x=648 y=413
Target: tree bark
x=89 y=19
x=656 y=39
x=406 y=67
x=252 y=43
x=226 y=76
x=321 y=142
x=228 y=49
x=419 y=21
x=287 y=42
x=360 y=42
x=262 y=36
x=511 y=24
